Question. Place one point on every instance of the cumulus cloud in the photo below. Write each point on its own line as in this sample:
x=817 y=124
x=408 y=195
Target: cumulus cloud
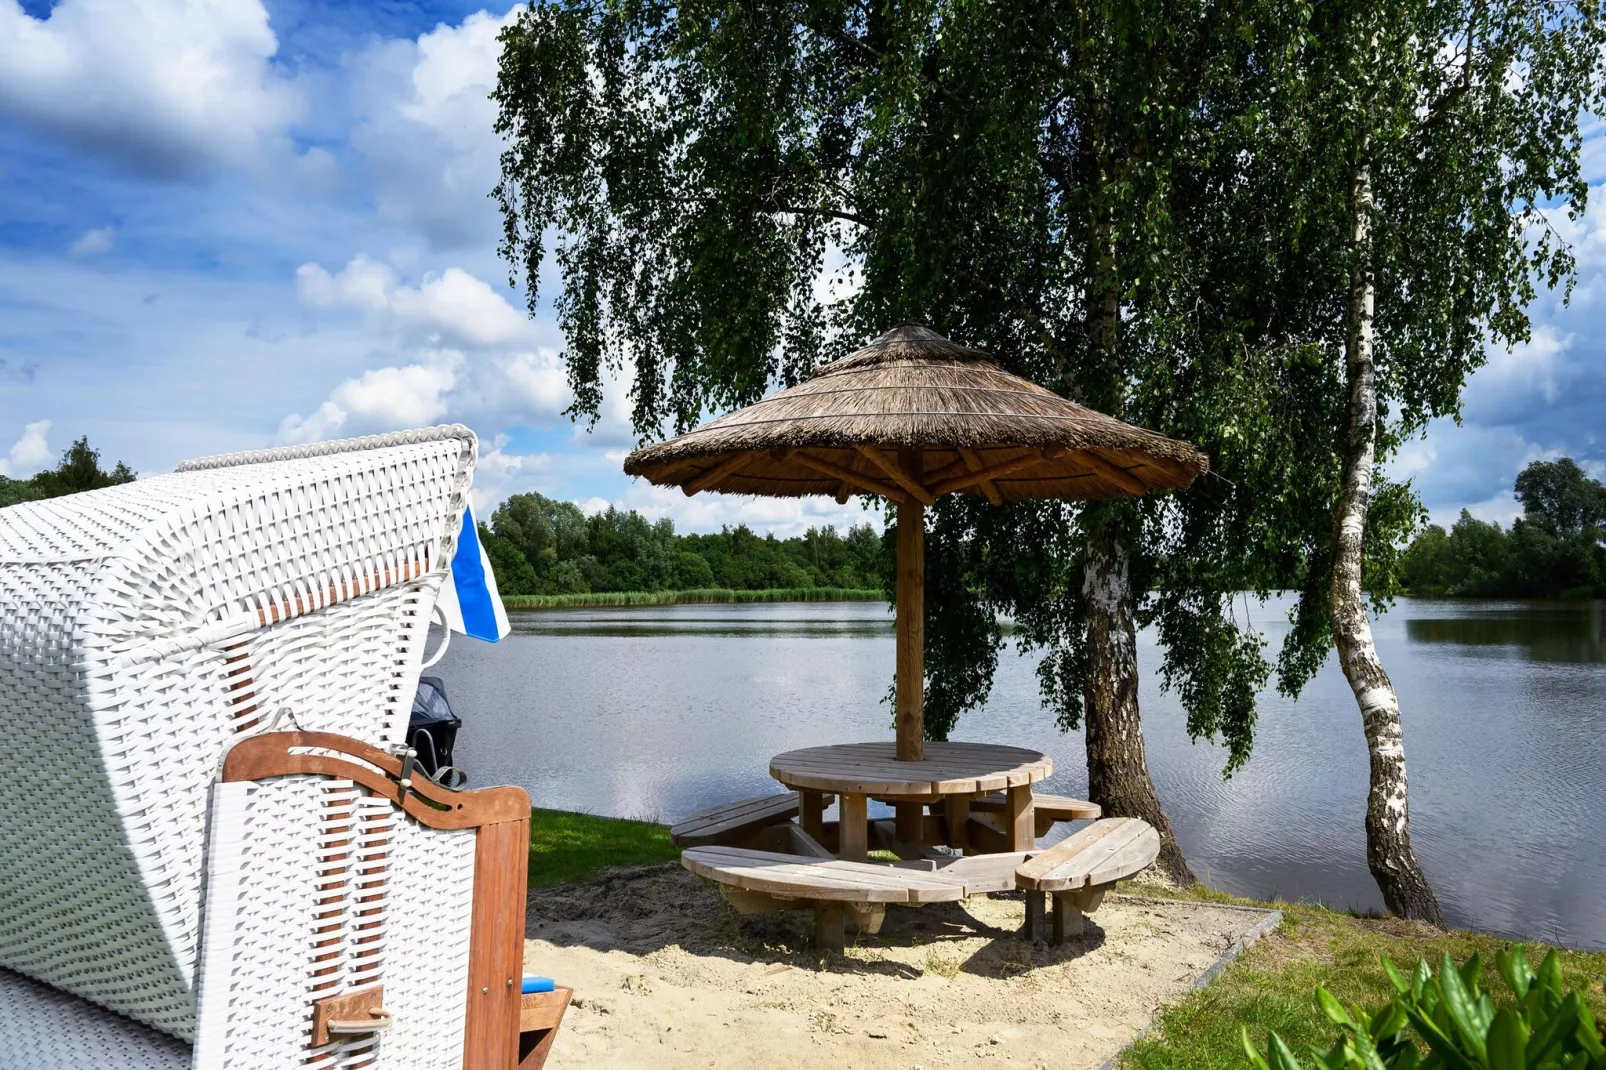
x=169 y=86
x=785 y=517
x=500 y=473
x=95 y=242
x=452 y=306
x=381 y=399
x=29 y=454
x=426 y=136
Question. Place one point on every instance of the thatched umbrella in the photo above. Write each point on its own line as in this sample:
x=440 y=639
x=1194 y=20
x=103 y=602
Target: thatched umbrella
x=909 y=417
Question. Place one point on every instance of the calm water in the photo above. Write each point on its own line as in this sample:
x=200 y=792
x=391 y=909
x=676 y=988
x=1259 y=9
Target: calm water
x=657 y=712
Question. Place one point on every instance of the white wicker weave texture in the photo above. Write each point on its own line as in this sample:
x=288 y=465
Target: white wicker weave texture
x=319 y=888
x=142 y=626
x=43 y=1028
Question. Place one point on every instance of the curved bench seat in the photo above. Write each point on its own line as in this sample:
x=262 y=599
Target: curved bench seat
x=1079 y=869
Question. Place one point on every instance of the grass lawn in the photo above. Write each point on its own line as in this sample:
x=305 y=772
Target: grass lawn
x=1272 y=985
x=565 y=847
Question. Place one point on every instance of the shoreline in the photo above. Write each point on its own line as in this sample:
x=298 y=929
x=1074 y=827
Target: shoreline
x=698 y=596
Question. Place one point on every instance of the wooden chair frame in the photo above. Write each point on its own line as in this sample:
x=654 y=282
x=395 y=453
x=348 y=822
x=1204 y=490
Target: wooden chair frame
x=501 y=817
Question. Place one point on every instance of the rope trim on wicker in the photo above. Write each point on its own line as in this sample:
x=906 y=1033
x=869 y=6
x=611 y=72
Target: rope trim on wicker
x=325 y=449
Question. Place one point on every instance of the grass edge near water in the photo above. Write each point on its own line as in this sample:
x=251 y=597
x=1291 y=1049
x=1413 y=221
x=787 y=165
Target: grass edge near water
x=698 y=596
x=1272 y=985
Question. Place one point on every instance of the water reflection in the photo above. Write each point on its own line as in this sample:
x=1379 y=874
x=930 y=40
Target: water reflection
x=1540 y=631
x=659 y=711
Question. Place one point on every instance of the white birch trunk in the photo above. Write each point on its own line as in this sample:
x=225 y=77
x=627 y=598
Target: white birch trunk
x=1388 y=815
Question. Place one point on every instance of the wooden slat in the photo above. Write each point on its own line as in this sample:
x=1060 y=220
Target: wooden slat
x=1022 y=826
x=804 y=844
x=900 y=475
x=981 y=874
x=853 y=827
x=724 y=468
x=733 y=820
x=496 y=946
x=848 y=475
x=1045 y=861
x=972 y=460
x=992 y=472
x=1106 y=851
x=1112 y=472
x=790 y=875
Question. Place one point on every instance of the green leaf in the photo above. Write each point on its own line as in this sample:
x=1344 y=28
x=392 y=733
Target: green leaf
x=1508 y=1042
x=1397 y=979
x=1282 y=1057
x=1547 y=1039
x=1513 y=966
x=1257 y=1060
x=1463 y=1012
x=1334 y=1009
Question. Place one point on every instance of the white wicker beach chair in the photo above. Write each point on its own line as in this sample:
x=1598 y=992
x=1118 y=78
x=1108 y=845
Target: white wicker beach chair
x=204 y=677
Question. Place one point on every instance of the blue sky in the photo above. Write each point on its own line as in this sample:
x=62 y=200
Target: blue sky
x=227 y=224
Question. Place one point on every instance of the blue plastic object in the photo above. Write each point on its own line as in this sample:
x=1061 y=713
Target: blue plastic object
x=537 y=984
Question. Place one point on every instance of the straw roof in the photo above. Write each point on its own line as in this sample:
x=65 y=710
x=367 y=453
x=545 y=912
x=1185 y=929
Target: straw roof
x=978 y=430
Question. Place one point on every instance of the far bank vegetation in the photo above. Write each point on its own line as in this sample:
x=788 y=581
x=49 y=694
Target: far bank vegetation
x=541 y=547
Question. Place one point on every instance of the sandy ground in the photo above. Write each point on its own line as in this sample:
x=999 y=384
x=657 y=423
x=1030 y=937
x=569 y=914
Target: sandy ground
x=667 y=976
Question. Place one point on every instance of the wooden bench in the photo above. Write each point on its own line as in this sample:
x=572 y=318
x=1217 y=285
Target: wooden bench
x=729 y=823
x=1078 y=870
x=1048 y=810
x=760 y=881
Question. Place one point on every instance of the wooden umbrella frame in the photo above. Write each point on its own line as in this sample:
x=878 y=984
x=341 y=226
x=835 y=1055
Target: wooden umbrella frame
x=867 y=424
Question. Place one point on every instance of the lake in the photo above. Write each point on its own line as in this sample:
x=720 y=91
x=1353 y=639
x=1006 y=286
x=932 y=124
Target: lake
x=659 y=711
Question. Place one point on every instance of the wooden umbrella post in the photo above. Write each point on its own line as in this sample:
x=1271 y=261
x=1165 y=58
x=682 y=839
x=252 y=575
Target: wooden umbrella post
x=911 y=623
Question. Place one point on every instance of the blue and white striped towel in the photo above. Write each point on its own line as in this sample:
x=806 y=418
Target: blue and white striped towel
x=468 y=597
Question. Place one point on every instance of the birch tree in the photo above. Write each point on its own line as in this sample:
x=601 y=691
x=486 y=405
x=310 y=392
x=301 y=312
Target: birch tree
x=1425 y=151
x=1001 y=172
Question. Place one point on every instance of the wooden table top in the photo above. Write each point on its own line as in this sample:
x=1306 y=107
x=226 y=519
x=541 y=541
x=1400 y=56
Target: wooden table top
x=872 y=769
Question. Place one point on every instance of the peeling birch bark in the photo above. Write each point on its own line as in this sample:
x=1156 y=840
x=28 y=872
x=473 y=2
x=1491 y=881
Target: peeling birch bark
x=1117 y=764
x=1388 y=817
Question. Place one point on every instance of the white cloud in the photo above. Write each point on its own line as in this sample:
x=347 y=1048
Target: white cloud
x=452 y=306
x=537 y=381
x=427 y=135
x=381 y=399
x=29 y=454
x=172 y=86
x=500 y=473
x=1528 y=367
x=785 y=517
x=93 y=242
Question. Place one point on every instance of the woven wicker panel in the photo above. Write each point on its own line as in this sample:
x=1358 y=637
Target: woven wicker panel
x=142 y=626
x=43 y=1028
x=429 y=908
x=318 y=888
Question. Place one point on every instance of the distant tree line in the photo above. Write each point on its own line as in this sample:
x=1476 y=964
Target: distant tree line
x=79 y=470
x=541 y=546
x=1553 y=550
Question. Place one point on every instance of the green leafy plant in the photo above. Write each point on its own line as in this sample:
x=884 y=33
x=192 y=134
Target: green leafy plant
x=1456 y=1024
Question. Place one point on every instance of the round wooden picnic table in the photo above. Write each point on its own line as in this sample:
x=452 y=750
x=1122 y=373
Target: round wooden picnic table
x=954 y=774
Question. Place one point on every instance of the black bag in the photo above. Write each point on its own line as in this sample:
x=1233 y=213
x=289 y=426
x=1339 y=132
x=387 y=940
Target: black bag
x=432 y=728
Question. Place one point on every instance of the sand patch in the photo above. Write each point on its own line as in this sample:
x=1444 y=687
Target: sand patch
x=667 y=976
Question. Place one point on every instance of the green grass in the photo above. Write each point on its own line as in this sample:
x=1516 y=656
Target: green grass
x=566 y=847
x=702 y=595
x=1272 y=985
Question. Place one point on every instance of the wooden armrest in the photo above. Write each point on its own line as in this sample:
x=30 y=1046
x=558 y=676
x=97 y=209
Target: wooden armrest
x=543 y=1010
x=539 y=1015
